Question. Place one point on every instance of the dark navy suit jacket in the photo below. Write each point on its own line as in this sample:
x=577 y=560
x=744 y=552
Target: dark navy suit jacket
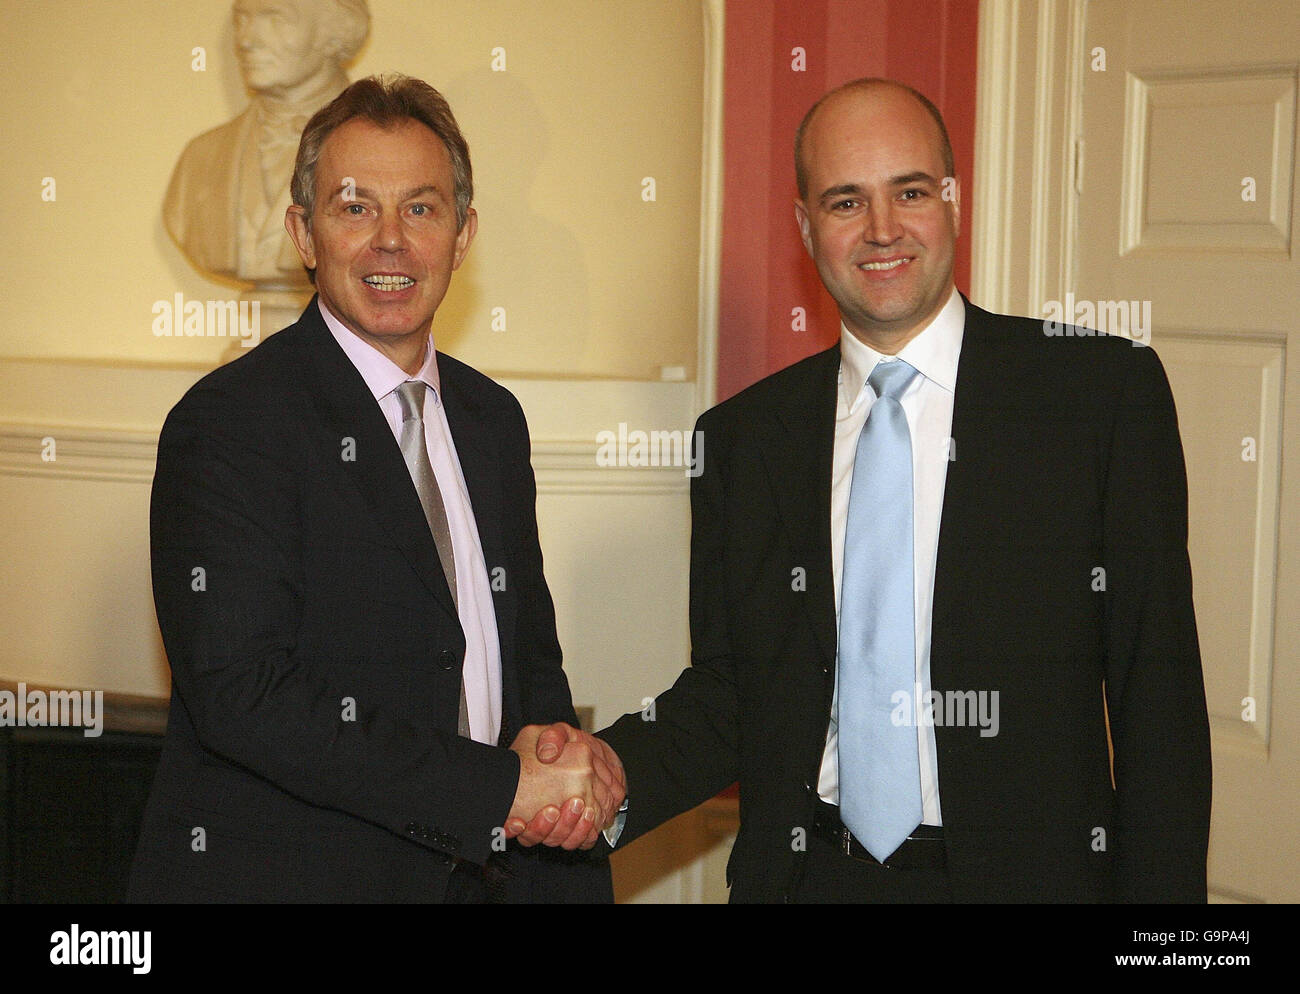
x=311 y=750
x=1067 y=460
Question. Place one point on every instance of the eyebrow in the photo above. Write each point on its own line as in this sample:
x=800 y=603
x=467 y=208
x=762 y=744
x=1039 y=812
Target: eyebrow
x=363 y=191
x=854 y=189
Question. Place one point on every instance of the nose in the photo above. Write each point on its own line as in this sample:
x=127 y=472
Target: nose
x=390 y=236
x=881 y=225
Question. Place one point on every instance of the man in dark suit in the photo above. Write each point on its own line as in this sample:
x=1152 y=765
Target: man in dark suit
x=348 y=577
x=934 y=571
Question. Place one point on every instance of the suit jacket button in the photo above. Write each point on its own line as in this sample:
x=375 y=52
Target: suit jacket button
x=447 y=659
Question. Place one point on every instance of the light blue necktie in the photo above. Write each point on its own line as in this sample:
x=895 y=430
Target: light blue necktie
x=880 y=773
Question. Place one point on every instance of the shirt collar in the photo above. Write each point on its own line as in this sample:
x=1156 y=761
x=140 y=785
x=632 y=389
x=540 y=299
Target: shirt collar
x=381 y=374
x=933 y=353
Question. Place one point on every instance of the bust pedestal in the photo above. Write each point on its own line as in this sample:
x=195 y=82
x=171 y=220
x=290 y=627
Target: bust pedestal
x=274 y=306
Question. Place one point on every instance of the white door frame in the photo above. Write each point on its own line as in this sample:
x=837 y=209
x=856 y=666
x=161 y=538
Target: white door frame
x=1028 y=152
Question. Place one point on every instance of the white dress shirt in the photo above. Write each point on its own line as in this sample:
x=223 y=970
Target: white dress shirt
x=482 y=670
x=927 y=403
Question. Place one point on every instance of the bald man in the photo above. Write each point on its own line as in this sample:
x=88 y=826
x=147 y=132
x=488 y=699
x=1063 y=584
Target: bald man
x=900 y=645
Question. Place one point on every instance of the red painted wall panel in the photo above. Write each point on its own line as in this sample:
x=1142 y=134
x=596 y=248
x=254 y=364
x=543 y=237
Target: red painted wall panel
x=781 y=56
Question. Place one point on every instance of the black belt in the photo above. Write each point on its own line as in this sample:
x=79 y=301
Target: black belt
x=923 y=849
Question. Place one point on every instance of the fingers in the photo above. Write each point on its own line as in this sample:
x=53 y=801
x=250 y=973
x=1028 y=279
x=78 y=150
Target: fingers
x=608 y=788
x=576 y=827
x=610 y=770
x=552 y=740
x=610 y=757
x=572 y=827
x=559 y=761
x=539 y=828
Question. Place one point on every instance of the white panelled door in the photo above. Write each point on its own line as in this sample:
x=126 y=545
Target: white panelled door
x=1187 y=201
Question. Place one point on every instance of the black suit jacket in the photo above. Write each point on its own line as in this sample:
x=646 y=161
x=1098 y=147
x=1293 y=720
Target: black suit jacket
x=1067 y=459
x=311 y=750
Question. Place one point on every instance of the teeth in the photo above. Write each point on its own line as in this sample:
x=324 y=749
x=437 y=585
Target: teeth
x=389 y=282
x=882 y=265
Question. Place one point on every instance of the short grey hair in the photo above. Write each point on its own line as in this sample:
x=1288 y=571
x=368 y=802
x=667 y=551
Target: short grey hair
x=387 y=101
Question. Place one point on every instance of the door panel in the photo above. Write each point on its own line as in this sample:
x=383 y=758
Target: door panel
x=1187 y=201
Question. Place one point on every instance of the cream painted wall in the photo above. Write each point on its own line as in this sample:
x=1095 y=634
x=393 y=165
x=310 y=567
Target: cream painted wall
x=601 y=290
x=596 y=96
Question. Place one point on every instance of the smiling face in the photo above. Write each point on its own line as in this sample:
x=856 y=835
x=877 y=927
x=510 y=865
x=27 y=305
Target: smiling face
x=875 y=220
x=383 y=238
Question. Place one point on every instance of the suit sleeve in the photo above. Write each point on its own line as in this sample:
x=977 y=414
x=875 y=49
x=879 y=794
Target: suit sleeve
x=684 y=749
x=1155 y=693
x=230 y=590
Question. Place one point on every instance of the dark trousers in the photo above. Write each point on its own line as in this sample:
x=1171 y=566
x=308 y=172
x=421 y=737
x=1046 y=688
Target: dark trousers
x=831 y=877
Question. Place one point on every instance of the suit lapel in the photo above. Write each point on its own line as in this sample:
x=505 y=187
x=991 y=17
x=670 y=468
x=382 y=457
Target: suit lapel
x=477 y=441
x=373 y=461
x=477 y=438
x=958 y=563
x=799 y=461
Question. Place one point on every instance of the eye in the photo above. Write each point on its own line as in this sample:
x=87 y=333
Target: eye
x=844 y=205
x=355 y=209
x=914 y=193
x=421 y=210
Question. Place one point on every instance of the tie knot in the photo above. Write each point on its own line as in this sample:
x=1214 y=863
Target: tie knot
x=411 y=396
x=890 y=379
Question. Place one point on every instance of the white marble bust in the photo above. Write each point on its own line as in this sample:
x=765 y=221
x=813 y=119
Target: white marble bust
x=228 y=193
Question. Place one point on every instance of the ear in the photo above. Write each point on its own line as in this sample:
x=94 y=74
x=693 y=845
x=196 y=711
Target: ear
x=464 y=237
x=955 y=203
x=802 y=219
x=295 y=222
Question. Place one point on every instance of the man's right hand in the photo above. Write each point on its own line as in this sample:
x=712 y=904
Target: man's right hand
x=570 y=787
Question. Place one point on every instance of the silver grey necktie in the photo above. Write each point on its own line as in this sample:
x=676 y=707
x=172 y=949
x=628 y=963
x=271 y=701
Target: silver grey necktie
x=416 y=453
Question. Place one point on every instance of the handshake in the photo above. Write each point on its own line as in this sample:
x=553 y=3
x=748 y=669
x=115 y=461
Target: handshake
x=571 y=785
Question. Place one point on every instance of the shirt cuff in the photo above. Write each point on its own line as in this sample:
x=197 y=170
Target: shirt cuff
x=615 y=830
